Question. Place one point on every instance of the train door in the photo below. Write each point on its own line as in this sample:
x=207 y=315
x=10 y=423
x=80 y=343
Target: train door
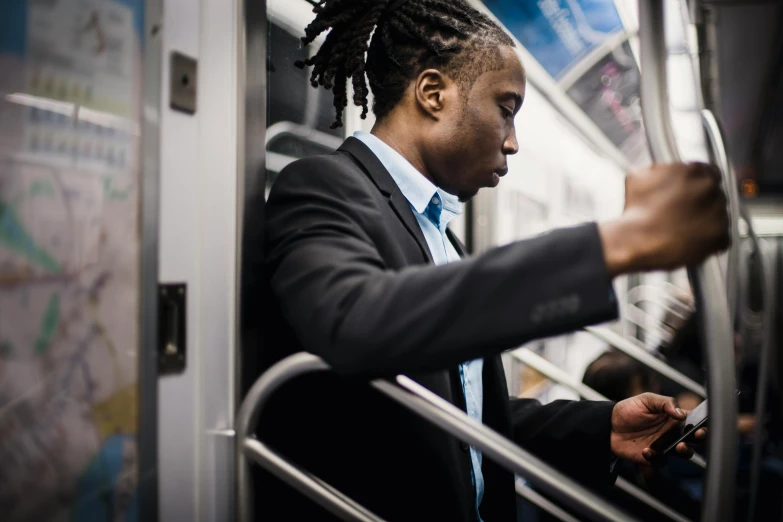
x=202 y=162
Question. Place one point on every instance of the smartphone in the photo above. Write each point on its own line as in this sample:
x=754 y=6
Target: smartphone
x=667 y=442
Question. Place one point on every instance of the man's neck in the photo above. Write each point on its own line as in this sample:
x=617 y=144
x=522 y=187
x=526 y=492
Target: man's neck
x=397 y=136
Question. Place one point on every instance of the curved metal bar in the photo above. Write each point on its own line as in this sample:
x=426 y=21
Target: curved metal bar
x=655 y=101
x=268 y=382
x=317 y=490
x=660 y=296
x=719 y=498
x=300 y=131
x=666 y=308
x=707 y=280
x=422 y=402
x=648 y=322
x=762 y=380
x=442 y=413
x=715 y=135
x=248 y=446
x=643 y=356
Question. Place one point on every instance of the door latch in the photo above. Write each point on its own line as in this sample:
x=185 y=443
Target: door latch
x=172 y=328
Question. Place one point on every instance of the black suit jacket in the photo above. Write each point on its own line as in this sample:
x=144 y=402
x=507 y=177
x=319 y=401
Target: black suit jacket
x=351 y=279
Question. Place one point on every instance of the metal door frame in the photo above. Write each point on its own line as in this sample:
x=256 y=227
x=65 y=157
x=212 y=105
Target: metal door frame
x=251 y=178
x=147 y=471
x=251 y=173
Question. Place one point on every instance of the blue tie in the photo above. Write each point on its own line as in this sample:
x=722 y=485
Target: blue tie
x=434 y=209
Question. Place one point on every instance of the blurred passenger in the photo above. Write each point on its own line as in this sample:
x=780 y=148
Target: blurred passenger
x=617 y=376
x=685 y=353
x=363 y=271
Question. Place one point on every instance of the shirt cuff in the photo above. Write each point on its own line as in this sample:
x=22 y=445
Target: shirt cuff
x=613 y=470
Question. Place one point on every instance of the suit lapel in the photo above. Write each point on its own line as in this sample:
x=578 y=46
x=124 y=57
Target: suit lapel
x=458 y=245
x=385 y=183
x=456 y=382
x=403 y=210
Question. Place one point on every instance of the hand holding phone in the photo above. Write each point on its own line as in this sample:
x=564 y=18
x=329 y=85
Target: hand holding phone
x=682 y=432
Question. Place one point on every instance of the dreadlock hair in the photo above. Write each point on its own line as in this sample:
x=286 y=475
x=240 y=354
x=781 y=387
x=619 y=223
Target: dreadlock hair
x=419 y=34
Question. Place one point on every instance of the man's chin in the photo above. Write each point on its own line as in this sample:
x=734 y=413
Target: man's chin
x=465 y=197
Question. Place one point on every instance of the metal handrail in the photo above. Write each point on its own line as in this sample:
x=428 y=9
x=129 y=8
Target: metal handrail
x=737 y=210
x=425 y=404
x=539 y=500
x=658 y=295
x=642 y=292
x=643 y=356
x=249 y=446
x=303 y=132
x=762 y=380
x=715 y=136
x=493 y=445
x=645 y=299
x=561 y=377
x=556 y=374
x=707 y=280
x=648 y=322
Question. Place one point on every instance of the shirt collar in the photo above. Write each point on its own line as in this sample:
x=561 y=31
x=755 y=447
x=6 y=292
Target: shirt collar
x=416 y=188
x=451 y=204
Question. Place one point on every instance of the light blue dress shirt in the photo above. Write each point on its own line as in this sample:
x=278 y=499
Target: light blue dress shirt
x=434 y=209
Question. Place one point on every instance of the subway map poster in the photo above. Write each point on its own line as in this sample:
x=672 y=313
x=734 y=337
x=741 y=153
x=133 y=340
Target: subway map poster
x=70 y=105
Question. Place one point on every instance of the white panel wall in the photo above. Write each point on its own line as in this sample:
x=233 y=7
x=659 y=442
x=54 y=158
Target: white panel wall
x=179 y=262
x=557 y=179
x=198 y=246
x=558 y=170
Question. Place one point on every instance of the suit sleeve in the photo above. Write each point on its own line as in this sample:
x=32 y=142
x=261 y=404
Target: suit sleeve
x=571 y=436
x=347 y=306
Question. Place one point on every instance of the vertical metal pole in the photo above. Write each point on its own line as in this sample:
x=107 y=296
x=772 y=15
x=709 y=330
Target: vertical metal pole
x=707 y=280
x=149 y=212
x=655 y=102
x=768 y=274
x=718 y=146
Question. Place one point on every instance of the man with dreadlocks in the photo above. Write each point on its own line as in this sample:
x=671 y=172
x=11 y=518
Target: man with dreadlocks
x=364 y=272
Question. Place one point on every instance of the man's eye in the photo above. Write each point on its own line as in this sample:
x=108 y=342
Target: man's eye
x=507 y=113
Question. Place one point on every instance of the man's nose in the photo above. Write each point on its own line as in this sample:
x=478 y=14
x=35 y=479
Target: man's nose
x=510 y=145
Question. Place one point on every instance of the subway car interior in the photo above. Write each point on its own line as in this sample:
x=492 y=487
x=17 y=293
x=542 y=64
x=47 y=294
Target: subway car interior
x=135 y=380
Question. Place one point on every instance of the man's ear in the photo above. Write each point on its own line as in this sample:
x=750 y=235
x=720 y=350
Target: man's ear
x=431 y=91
